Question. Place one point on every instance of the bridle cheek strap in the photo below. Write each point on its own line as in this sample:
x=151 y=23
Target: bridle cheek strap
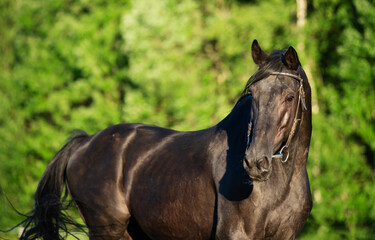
x=297 y=121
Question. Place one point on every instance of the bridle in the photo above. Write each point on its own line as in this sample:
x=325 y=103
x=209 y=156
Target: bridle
x=296 y=122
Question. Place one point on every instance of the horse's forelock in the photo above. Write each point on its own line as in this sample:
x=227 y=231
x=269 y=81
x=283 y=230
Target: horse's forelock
x=275 y=64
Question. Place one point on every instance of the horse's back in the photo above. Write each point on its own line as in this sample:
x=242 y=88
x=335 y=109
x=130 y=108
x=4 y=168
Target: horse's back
x=153 y=174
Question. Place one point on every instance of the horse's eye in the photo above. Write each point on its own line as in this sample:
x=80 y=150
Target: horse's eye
x=289 y=98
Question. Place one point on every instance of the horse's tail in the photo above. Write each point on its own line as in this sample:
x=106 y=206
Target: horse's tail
x=48 y=217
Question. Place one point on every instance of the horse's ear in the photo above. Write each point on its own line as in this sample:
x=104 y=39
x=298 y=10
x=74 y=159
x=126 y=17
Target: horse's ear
x=291 y=59
x=259 y=56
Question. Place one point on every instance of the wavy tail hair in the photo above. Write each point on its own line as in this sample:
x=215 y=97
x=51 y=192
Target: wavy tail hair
x=49 y=217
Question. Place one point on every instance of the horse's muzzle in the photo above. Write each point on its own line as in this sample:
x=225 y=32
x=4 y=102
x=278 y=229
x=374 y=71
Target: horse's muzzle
x=259 y=169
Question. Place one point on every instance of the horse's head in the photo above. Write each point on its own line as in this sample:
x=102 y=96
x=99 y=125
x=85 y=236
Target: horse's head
x=277 y=107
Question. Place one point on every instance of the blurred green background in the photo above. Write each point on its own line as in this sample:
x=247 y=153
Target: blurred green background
x=84 y=64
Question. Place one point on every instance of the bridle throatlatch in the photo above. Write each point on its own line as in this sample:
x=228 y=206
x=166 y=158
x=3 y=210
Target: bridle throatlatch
x=296 y=123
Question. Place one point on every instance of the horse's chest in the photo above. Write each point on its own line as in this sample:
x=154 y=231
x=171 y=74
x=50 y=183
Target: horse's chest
x=287 y=220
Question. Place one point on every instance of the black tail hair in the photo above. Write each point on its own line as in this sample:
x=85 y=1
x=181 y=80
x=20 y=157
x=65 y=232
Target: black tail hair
x=49 y=214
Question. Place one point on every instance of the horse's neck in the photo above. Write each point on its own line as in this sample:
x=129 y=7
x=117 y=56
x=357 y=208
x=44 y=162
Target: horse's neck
x=235 y=126
x=230 y=146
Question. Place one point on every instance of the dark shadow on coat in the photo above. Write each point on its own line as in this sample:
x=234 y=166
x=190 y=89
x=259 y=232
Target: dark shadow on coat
x=236 y=184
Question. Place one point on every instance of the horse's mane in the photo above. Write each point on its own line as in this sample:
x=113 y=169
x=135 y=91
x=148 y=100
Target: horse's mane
x=274 y=64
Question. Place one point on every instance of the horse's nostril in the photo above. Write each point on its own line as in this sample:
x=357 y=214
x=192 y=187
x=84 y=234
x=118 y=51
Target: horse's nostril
x=263 y=164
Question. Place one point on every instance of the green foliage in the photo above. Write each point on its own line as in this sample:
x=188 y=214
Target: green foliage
x=89 y=64
x=193 y=54
x=346 y=46
x=63 y=70
x=342 y=157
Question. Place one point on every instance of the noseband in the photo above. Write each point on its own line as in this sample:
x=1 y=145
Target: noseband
x=296 y=123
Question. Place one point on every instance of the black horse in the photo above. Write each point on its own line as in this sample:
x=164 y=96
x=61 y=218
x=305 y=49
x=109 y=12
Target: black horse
x=244 y=178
